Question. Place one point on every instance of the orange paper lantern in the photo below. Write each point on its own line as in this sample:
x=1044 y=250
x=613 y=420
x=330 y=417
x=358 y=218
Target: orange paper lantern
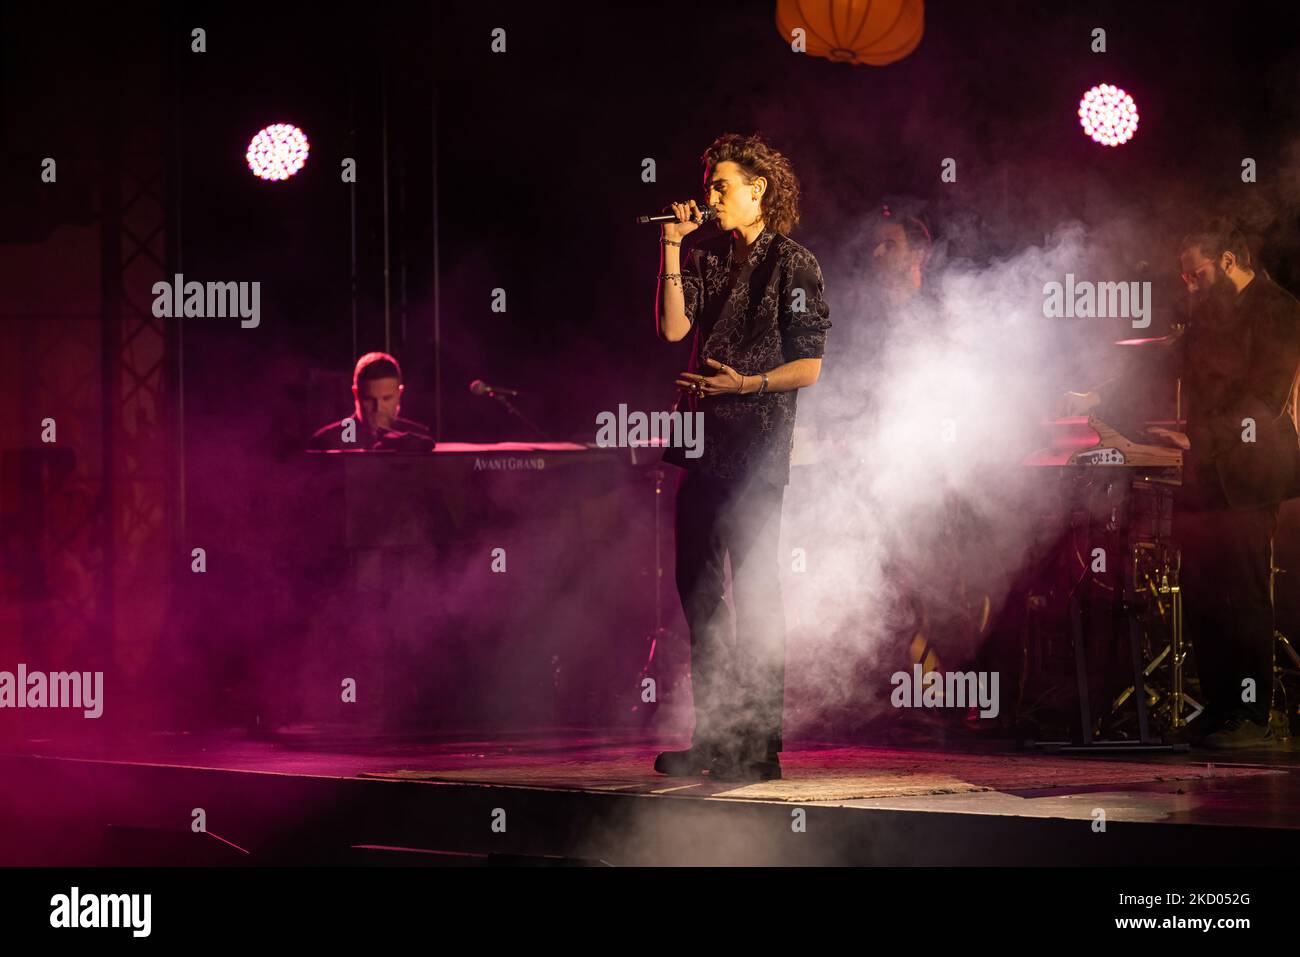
x=875 y=32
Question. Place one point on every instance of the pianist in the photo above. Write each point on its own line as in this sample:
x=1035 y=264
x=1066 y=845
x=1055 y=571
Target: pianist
x=374 y=424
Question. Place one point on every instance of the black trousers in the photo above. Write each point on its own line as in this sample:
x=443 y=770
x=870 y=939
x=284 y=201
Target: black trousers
x=738 y=682
x=1227 y=613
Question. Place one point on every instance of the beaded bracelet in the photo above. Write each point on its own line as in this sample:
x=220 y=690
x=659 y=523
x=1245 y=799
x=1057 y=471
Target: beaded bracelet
x=668 y=242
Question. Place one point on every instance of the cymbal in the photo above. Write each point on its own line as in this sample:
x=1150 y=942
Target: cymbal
x=1143 y=342
x=1157 y=340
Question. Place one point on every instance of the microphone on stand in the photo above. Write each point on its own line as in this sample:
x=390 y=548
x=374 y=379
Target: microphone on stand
x=479 y=387
x=707 y=214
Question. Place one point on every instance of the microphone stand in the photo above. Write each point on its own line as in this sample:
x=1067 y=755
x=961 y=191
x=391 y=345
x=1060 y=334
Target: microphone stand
x=516 y=413
x=663 y=660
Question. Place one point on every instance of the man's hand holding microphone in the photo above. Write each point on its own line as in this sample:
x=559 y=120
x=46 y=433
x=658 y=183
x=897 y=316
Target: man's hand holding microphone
x=673 y=324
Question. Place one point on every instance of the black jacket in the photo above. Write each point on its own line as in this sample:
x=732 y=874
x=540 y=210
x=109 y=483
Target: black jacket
x=405 y=435
x=1237 y=369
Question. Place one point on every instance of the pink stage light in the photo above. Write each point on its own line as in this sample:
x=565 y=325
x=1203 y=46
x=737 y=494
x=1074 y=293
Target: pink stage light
x=1108 y=115
x=278 y=151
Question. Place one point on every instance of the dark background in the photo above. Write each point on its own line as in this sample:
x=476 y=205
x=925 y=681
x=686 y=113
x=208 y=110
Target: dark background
x=539 y=158
x=535 y=157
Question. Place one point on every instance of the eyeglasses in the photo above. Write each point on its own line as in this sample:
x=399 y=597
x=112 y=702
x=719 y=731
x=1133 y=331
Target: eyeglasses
x=1196 y=273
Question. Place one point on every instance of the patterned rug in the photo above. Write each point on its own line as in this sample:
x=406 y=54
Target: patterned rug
x=837 y=774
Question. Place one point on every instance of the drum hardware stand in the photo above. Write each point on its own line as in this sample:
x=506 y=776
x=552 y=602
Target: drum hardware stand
x=1280 y=675
x=1175 y=652
x=1280 y=640
x=1280 y=671
x=1289 y=650
x=1123 y=616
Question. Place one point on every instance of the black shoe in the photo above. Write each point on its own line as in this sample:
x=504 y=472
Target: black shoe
x=1238 y=733
x=731 y=769
x=689 y=763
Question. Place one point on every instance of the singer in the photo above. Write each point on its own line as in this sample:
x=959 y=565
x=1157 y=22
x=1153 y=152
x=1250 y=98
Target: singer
x=754 y=299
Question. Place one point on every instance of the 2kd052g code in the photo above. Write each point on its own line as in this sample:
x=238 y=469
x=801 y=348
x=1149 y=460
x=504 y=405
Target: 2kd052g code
x=1174 y=897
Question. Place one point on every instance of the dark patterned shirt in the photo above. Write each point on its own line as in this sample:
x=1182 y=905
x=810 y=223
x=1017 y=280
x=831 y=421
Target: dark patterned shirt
x=773 y=314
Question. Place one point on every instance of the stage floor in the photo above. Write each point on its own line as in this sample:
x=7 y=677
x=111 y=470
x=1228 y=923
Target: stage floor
x=320 y=795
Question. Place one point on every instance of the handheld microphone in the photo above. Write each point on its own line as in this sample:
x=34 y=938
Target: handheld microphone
x=707 y=213
x=479 y=387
